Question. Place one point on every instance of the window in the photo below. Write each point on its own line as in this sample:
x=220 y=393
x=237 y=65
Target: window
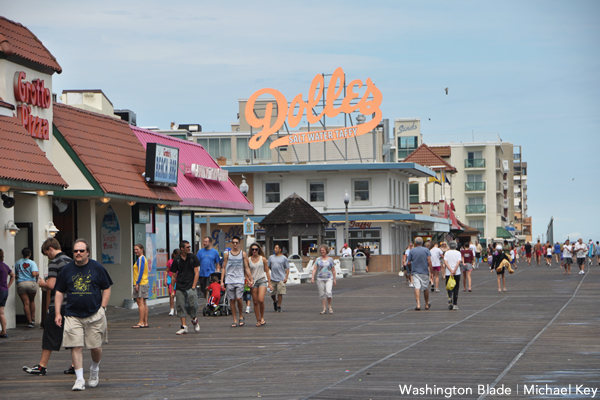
x=244 y=152
x=370 y=238
x=361 y=190
x=316 y=191
x=217 y=147
x=413 y=189
x=406 y=145
x=272 y=192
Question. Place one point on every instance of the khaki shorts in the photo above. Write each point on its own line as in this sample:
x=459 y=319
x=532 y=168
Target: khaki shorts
x=89 y=332
x=142 y=293
x=278 y=288
x=26 y=287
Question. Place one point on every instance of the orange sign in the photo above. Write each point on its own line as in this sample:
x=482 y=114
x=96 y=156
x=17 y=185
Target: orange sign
x=365 y=106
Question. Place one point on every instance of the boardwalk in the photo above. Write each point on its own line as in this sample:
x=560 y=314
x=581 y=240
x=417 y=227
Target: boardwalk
x=543 y=333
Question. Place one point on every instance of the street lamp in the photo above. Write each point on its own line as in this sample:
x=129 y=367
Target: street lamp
x=346 y=201
x=244 y=188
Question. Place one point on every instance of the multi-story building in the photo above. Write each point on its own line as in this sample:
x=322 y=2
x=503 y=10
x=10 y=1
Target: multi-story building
x=522 y=222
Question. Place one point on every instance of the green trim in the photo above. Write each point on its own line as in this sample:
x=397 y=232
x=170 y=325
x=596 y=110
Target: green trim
x=23 y=185
x=67 y=147
x=502 y=233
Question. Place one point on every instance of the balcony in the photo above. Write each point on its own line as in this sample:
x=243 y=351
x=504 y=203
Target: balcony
x=476 y=209
x=474 y=186
x=499 y=187
x=505 y=203
x=505 y=184
x=475 y=163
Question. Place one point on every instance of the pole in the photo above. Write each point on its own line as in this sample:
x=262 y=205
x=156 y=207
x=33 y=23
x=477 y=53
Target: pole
x=346 y=225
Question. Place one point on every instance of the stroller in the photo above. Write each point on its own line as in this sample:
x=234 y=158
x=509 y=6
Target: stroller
x=219 y=309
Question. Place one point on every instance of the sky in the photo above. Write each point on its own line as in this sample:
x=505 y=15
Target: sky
x=528 y=71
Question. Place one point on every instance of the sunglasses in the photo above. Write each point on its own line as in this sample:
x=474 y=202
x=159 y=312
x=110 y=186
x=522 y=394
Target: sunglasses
x=79 y=251
x=235 y=242
x=254 y=249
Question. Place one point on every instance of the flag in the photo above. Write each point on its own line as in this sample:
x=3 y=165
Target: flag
x=435 y=180
x=445 y=178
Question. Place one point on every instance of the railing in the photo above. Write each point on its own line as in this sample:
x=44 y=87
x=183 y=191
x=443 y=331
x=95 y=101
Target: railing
x=474 y=186
x=476 y=209
x=475 y=163
x=505 y=203
x=505 y=184
x=516 y=156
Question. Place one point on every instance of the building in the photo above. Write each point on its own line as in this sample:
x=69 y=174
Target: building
x=522 y=222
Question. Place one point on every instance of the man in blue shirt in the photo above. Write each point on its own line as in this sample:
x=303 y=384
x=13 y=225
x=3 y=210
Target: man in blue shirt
x=210 y=261
x=419 y=259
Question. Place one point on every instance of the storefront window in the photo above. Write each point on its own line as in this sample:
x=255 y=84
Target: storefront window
x=174 y=237
x=309 y=244
x=161 y=231
x=370 y=238
x=186 y=227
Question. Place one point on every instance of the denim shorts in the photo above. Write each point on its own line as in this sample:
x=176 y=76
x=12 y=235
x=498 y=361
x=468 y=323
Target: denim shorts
x=3 y=297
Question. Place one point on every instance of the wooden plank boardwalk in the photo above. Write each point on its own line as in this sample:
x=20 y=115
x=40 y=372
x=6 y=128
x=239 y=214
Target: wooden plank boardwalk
x=544 y=332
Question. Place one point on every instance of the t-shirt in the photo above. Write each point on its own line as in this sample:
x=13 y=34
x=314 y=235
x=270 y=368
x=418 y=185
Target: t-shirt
x=436 y=257
x=528 y=248
x=473 y=248
x=216 y=291
x=407 y=253
x=557 y=248
x=24 y=267
x=234 y=270
x=324 y=269
x=418 y=260
x=549 y=251
x=208 y=259
x=580 y=249
x=567 y=251
x=83 y=286
x=346 y=252
x=278 y=265
x=452 y=258
x=4 y=273
x=467 y=255
x=140 y=271
x=55 y=266
x=185 y=270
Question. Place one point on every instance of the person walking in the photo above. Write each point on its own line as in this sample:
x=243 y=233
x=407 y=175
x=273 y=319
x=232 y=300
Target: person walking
x=590 y=251
x=478 y=255
x=466 y=266
x=53 y=334
x=235 y=270
x=280 y=270
x=87 y=286
x=557 y=252
x=5 y=272
x=597 y=252
x=27 y=277
x=210 y=261
x=452 y=261
x=527 y=252
x=497 y=259
x=419 y=261
x=187 y=267
x=436 y=265
x=171 y=281
x=581 y=250
x=324 y=269
x=549 y=250
x=407 y=277
x=567 y=253
x=538 y=251
x=140 y=286
x=262 y=279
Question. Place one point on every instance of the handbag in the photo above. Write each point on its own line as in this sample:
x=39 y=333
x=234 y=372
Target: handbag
x=451 y=283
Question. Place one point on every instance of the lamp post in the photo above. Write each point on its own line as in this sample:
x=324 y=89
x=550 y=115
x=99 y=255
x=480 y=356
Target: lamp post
x=346 y=201
x=244 y=188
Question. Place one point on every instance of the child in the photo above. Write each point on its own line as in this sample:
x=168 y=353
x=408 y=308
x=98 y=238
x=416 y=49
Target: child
x=215 y=296
x=247 y=296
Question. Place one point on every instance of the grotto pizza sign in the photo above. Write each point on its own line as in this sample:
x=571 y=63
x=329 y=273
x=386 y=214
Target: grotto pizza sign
x=30 y=94
x=368 y=104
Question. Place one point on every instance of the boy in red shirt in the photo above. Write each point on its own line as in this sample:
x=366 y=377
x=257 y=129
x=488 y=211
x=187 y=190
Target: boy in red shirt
x=215 y=296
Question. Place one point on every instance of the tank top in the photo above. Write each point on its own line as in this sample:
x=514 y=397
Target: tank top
x=258 y=269
x=235 y=269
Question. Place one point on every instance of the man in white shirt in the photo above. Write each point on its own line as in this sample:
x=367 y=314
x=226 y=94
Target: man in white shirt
x=567 y=253
x=452 y=261
x=436 y=264
x=581 y=250
x=346 y=251
x=473 y=248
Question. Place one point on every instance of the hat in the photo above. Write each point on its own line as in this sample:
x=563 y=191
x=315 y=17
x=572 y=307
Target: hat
x=345 y=244
x=498 y=247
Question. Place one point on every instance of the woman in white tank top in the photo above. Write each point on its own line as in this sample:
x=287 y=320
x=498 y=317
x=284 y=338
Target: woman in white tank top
x=262 y=278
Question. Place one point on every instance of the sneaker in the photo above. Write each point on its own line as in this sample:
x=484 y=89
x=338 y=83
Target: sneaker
x=93 y=382
x=196 y=325
x=411 y=285
x=182 y=331
x=279 y=309
x=247 y=310
x=172 y=313
x=31 y=325
x=450 y=307
x=79 y=385
x=455 y=307
x=37 y=370
x=70 y=371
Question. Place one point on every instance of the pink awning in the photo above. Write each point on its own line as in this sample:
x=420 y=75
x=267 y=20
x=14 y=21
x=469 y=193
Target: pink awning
x=198 y=192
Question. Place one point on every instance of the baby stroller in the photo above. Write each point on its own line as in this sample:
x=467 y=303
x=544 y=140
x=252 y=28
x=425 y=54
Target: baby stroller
x=215 y=310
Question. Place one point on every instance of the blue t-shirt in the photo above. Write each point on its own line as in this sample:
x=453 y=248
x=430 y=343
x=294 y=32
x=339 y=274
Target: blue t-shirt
x=418 y=258
x=83 y=285
x=208 y=260
x=24 y=267
x=557 y=248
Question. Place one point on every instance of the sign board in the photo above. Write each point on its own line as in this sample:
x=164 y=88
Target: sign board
x=368 y=104
x=439 y=227
x=162 y=164
x=34 y=94
x=201 y=171
x=110 y=232
x=248 y=227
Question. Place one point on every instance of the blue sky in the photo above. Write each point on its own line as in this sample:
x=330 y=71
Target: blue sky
x=526 y=70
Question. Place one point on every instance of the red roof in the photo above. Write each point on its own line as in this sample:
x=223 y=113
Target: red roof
x=442 y=151
x=197 y=191
x=110 y=151
x=424 y=156
x=17 y=40
x=22 y=158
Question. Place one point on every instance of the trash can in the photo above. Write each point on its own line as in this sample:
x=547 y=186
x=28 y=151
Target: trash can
x=346 y=263
x=297 y=261
x=360 y=263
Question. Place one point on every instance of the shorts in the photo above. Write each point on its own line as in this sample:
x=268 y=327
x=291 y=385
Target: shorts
x=53 y=334
x=203 y=282
x=528 y=255
x=247 y=296
x=421 y=281
x=3 y=298
x=186 y=301
x=142 y=293
x=466 y=267
x=478 y=255
x=567 y=260
x=580 y=261
x=325 y=288
x=27 y=287
x=408 y=269
x=262 y=282
x=88 y=332
x=436 y=268
x=548 y=255
x=278 y=288
x=234 y=290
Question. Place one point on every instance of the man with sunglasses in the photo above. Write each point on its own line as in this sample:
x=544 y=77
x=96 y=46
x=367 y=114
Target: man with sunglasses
x=235 y=269
x=187 y=267
x=87 y=286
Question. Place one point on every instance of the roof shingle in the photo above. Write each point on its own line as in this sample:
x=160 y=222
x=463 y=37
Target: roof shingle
x=423 y=155
x=17 y=40
x=294 y=210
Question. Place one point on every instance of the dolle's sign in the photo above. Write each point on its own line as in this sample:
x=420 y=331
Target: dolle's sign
x=32 y=94
x=365 y=106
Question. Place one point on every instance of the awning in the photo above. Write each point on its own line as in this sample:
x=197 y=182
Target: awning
x=503 y=233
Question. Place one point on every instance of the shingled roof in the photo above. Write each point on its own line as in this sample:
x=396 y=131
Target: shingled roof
x=294 y=210
x=423 y=155
x=18 y=41
x=442 y=151
x=22 y=158
x=110 y=151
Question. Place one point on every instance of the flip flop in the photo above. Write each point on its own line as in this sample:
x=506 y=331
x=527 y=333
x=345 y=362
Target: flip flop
x=417 y=309
x=428 y=306
x=137 y=326
x=234 y=325
x=144 y=326
x=263 y=323
x=323 y=312
x=242 y=323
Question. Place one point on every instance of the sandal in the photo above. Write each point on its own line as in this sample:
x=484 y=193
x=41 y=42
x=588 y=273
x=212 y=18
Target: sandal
x=417 y=308
x=330 y=310
x=258 y=324
x=234 y=325
x=263 y=322
x=323 y=312
x=242 y=322
x=3 y=335
x=138 y=326
x=428 y=306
